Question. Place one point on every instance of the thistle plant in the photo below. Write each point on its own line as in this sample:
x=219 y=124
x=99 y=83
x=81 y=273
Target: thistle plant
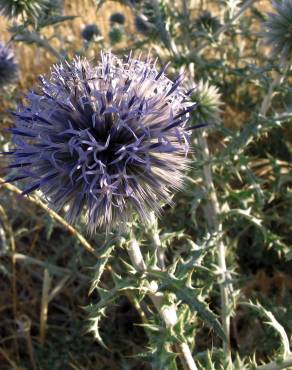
x=8 y=65
x=24 y=8
x=206 y=23
x=89 y=32
x=118 y=18
x=109 y=144
x=108 y=140
x=115 y=35
x=277 y=30
x=208 y=101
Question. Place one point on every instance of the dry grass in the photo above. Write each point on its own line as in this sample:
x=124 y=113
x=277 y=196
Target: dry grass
x=35 y=60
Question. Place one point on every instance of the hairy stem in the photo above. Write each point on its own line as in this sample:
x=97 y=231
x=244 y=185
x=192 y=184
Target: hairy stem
x=212 y=212
x=159 y=250
x=168 y=314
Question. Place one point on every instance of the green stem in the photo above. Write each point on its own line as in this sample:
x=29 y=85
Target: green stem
x=212 y=216
x=278 y=79
x=159 y=250
x=167 y=313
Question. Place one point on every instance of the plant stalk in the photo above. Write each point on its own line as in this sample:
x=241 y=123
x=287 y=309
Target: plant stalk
x=159 y=250
x=212 y=216
x=168 y=314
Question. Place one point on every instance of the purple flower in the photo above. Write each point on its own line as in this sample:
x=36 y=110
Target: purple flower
x=8 y=66
x=89 y=32
x=107 y=141
x=117 y=18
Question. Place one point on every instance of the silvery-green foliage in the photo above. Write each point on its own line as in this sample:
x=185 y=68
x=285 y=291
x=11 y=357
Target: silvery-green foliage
x=206 y=23
x=25 y=8
x=222 y=74
x=151 y=20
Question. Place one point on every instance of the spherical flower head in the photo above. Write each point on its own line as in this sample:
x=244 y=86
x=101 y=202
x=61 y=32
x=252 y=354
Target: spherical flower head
x=277 y=30
x=108 y=141
x=117 y=18
x=115 y=35
x=208 y=101
x=25 y=8
x=8 y=66
x=207 y=23
x=89 y=32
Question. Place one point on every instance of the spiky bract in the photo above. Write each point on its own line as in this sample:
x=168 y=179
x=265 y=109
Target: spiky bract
x=89 y=32
x=8 y=65
x=208 y=101
x=277 y=30
x=107 y=140
x=24 y=8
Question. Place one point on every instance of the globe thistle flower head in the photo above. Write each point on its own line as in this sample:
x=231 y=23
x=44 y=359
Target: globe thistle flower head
x=8 y=66
x=107 y=141
x=277 y=30
x=115 y=35
x=89 y=32
x=117 y=18
x=208 y=101
x=207 y=23
x=25 y=8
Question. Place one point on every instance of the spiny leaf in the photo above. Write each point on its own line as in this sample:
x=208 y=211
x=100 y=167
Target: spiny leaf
x=94 y=326
x=100 y=266
x=188 y=295
x=273 y=322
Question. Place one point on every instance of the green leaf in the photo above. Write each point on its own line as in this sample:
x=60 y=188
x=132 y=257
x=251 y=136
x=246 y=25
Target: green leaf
x=53 y=20
x=188 y=296
x=94 y=326
x=272 y=321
